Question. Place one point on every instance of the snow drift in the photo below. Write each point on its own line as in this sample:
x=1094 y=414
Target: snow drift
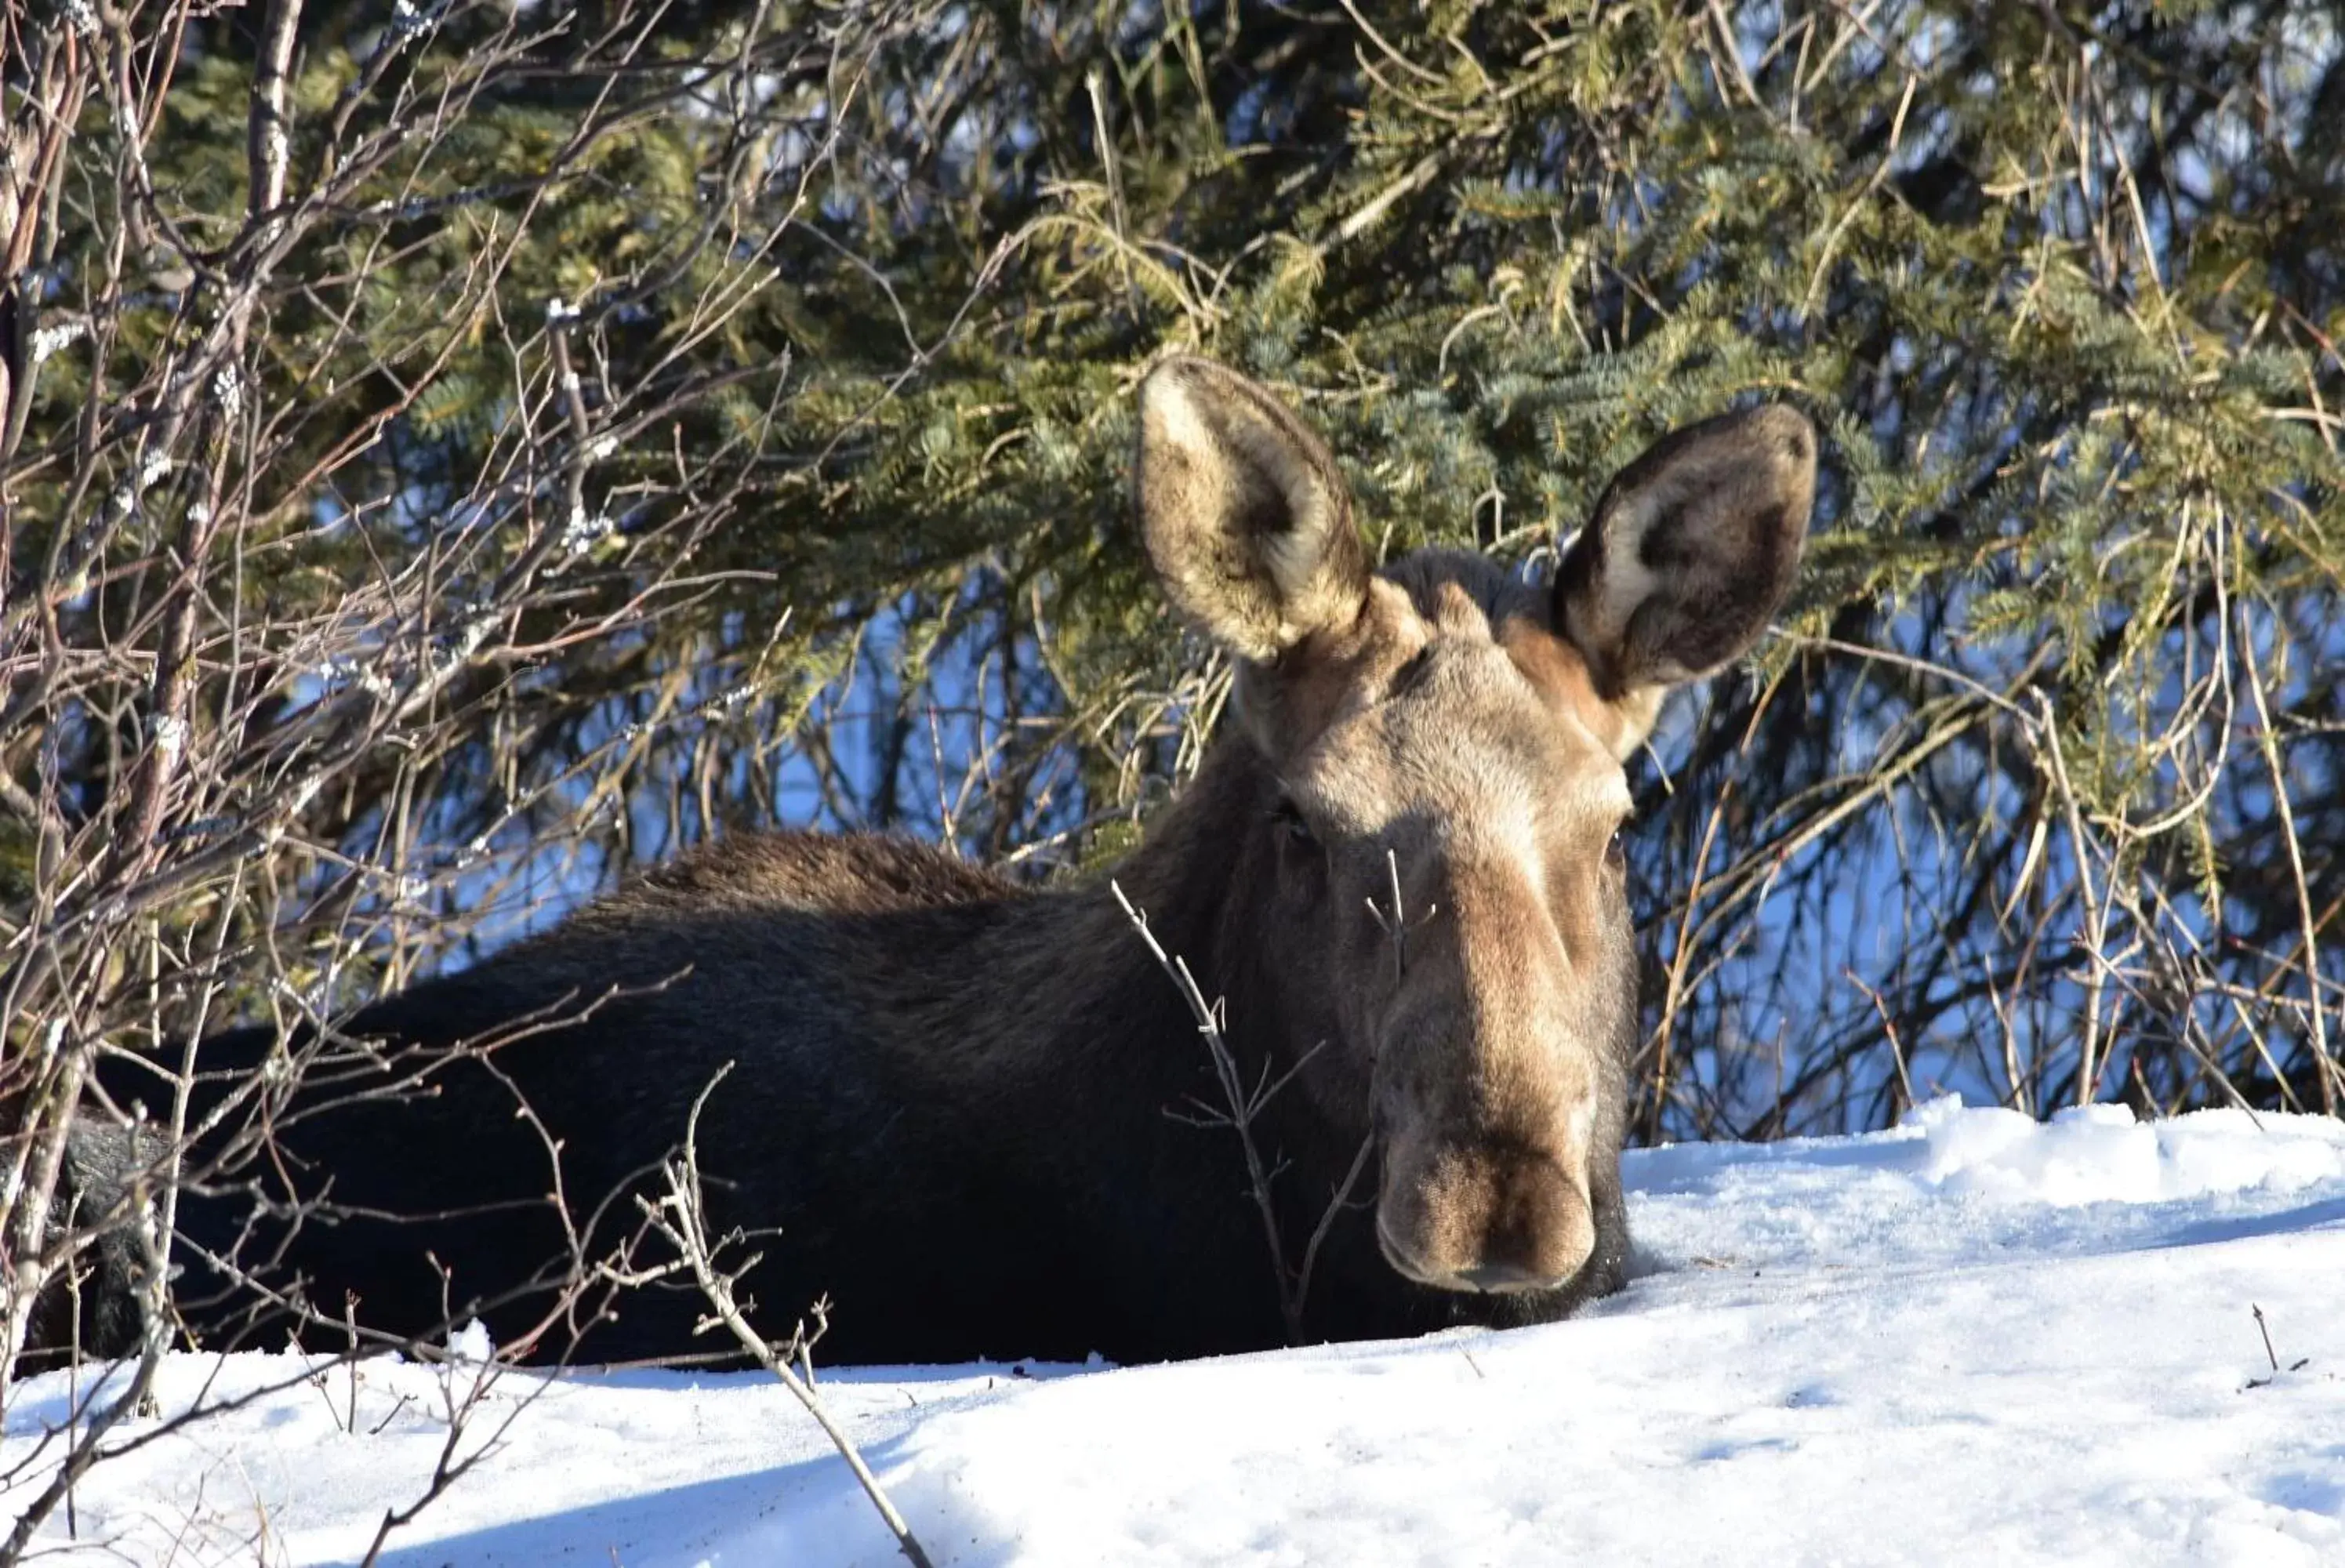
x=1971 y=1338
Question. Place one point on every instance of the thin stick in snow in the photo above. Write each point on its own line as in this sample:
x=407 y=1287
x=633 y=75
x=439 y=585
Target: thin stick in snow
x=1242 y=1110
x=683 y=1219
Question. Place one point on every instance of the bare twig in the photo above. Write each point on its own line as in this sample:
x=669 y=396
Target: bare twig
x=1241 y=1112
x=681 y=1217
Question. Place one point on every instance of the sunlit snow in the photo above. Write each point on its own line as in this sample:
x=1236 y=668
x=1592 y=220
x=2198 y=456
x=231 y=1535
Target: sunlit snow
x=1971 y=1340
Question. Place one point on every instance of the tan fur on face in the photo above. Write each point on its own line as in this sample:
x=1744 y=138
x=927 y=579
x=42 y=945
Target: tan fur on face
x=1447 y=726
x=1464 y=732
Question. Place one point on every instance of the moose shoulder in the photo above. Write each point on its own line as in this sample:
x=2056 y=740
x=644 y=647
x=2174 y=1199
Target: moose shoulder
x=948 y=1110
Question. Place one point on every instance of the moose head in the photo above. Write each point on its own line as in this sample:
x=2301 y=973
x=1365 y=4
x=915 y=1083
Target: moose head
x=1443 y=746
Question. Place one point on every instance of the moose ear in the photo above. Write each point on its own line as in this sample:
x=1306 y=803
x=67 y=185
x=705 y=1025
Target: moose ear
x=1246 y=520
x=1691 y=548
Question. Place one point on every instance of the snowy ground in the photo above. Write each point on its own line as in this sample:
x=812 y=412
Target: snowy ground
x=1972 y=1340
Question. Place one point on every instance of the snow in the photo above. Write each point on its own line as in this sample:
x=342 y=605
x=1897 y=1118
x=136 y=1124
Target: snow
x=1971 y=1338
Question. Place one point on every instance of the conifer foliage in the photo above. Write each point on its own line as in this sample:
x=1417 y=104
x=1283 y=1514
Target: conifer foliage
x=455 y=453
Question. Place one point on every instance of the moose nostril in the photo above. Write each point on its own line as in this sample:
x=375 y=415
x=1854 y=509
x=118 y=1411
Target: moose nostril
x=1495 y=1277
x=1471 y=1219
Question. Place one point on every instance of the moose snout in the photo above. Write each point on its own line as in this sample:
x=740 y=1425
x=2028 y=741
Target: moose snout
x=1487 y=1219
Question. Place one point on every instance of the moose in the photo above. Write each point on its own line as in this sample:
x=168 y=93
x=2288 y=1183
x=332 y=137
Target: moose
x=953 y=1101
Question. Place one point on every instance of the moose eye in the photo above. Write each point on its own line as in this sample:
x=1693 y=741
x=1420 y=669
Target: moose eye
x=1288 y=817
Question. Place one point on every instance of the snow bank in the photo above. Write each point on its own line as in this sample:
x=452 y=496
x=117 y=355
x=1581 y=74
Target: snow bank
x=1971 y=1338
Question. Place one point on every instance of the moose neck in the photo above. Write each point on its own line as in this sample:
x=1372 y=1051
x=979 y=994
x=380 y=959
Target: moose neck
x=1127 y=1065
x=1201 y=884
